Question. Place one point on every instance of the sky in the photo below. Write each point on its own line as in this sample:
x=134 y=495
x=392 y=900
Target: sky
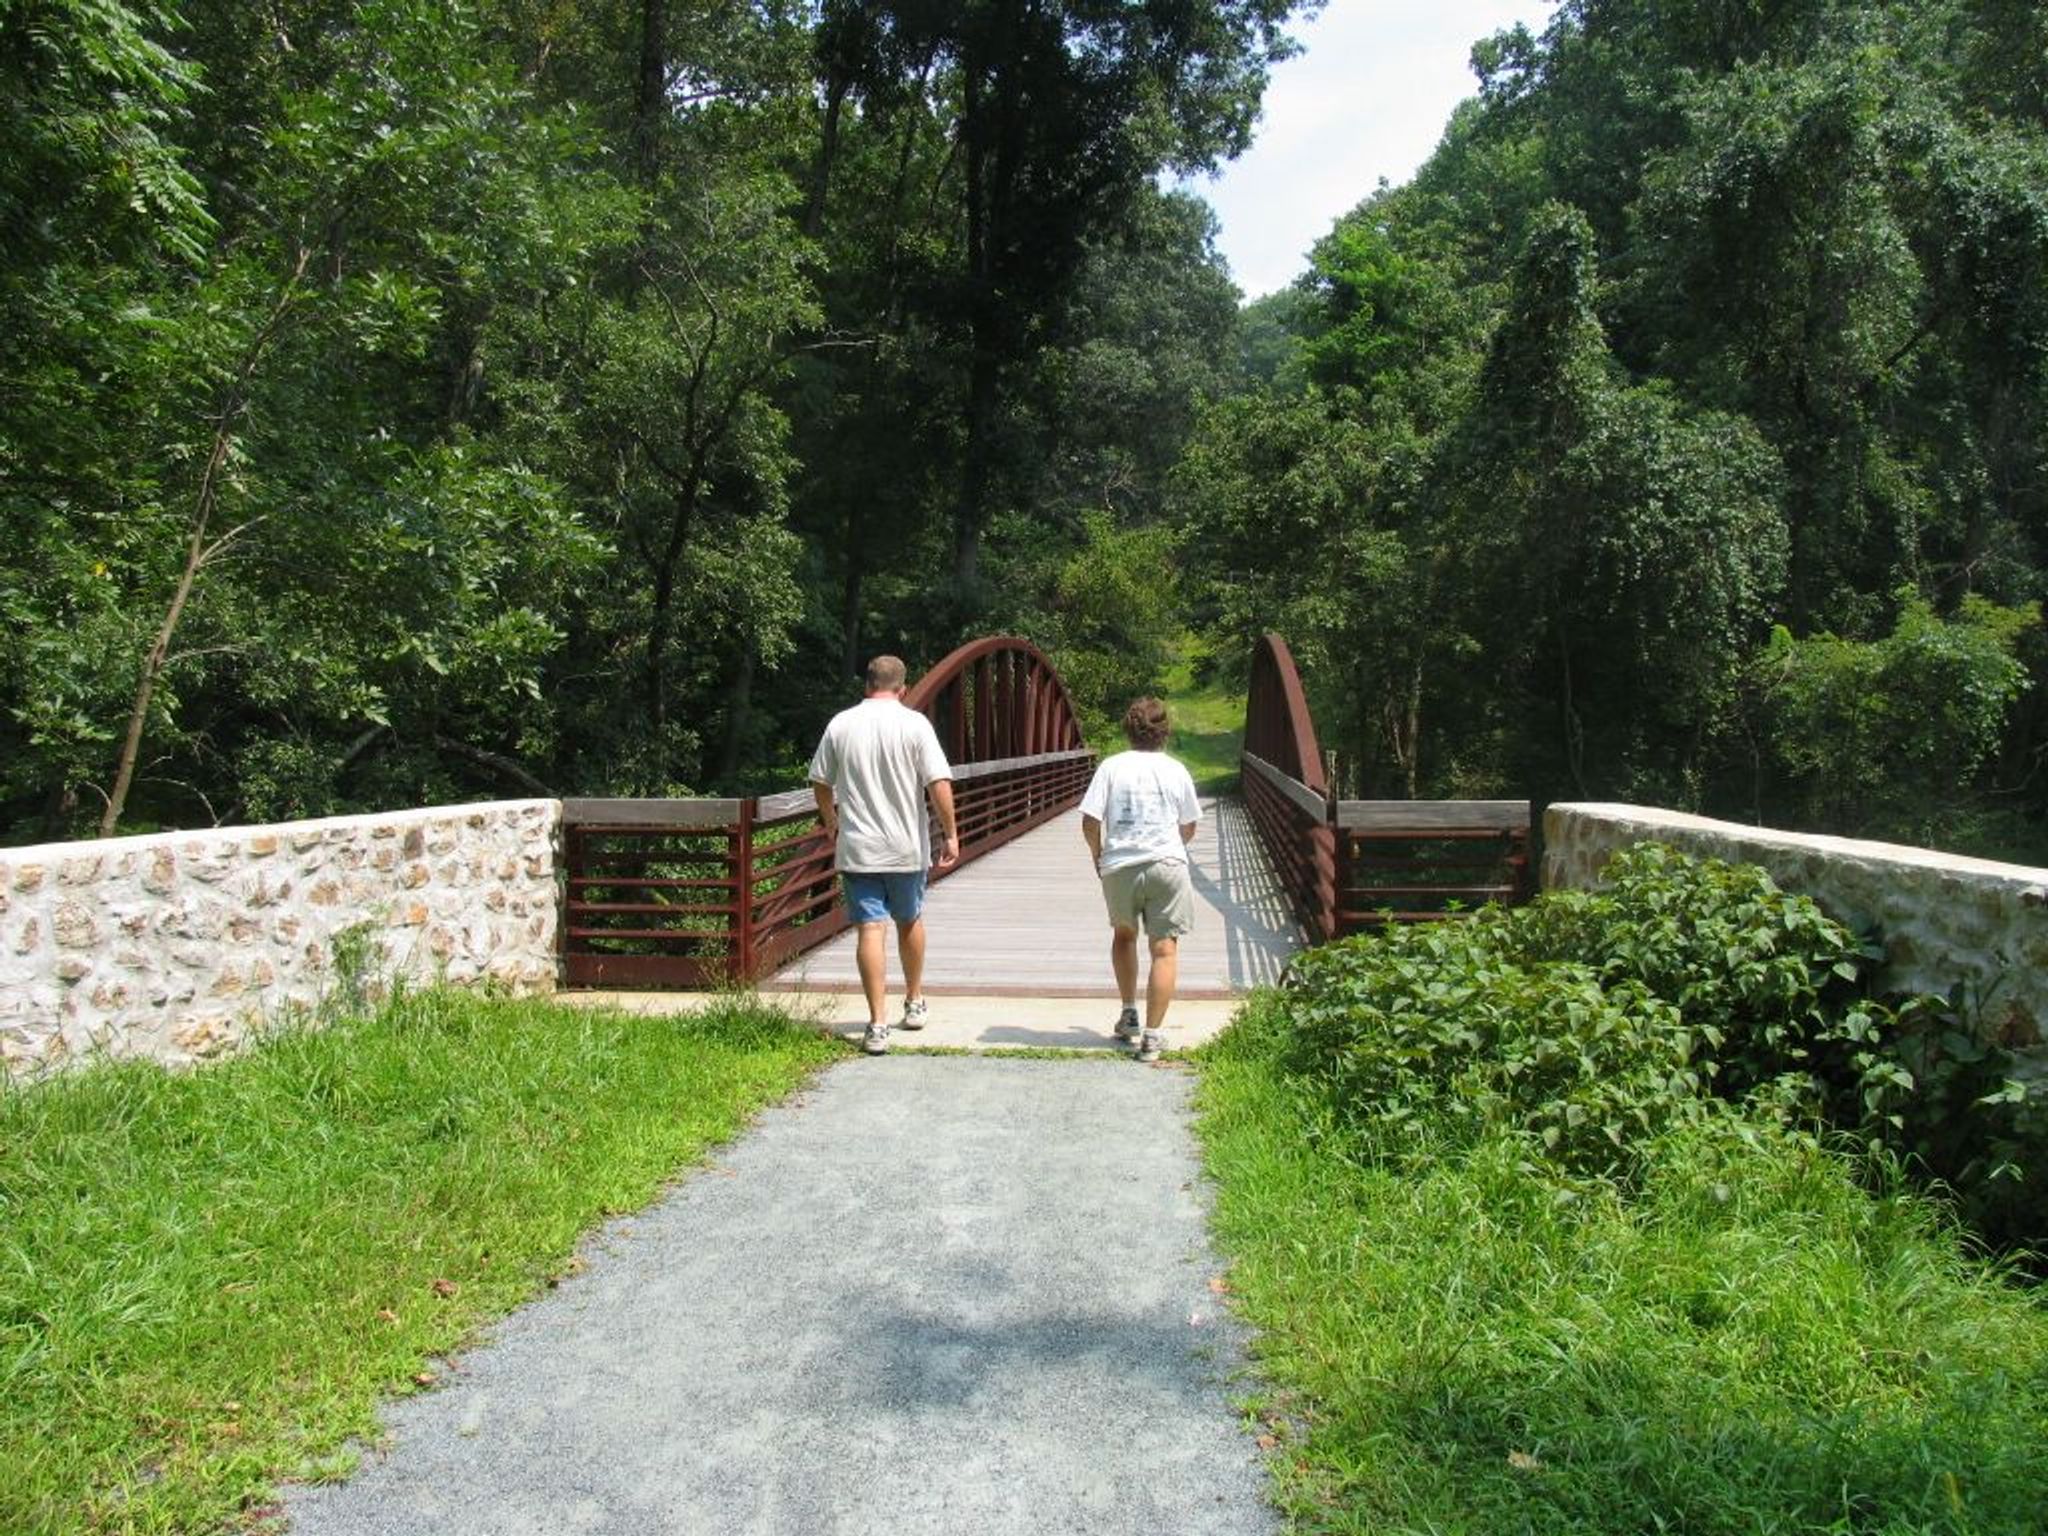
x=1367 y=97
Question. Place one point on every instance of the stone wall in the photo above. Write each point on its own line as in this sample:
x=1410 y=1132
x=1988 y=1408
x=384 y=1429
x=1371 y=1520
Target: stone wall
x=1945 y=921
x=174 y=946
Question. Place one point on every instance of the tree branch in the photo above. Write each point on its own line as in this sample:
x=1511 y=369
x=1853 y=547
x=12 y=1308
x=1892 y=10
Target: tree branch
x=492 y=760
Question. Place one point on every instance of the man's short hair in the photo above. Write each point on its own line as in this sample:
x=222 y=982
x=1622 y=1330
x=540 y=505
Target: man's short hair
x=1145 y=724
x=885 y=674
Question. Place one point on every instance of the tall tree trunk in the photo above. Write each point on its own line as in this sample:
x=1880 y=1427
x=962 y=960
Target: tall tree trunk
x=971 y=517
x=851 y=597
x=739 y=703
x=970 y=511
x=1411 y=733
x=993 y=128
x=200 y=548
x=650 y=94
x=828 y=150
x=1573 y=728
x=662 y=619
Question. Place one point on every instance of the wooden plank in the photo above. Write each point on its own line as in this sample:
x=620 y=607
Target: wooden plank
x=1422 y=816
x=786 y=806
x=721 y=934
x=638 y=971
x=1304 y=799
x=651 y=813
x=792 y=803
x=964 y=771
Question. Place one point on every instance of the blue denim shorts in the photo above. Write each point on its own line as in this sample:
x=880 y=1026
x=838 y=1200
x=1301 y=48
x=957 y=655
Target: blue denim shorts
x=875 y=898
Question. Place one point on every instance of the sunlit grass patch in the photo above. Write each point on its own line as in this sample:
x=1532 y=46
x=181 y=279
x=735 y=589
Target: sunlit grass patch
x=207 y=1280
x=1208 y=728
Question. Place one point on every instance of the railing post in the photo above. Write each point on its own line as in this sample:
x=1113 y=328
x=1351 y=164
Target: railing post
x=742 y=964
x=1340 y=863
x=982 y=711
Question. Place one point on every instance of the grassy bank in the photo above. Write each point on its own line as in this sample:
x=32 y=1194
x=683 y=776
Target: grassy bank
x=1751 y=1343
x=207 y=1280
x=1208 y=729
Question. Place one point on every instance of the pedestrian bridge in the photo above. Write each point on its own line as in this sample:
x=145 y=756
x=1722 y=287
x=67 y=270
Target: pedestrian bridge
x=687 y=893
x=1028 y=920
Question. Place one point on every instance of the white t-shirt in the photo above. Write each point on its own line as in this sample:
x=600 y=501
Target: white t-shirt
x=1142 y=799
x=878 y=756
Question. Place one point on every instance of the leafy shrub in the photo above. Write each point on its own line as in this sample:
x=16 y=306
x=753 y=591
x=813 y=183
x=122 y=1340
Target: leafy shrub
x=1590 y=1020
x=1978 y=1118
x=1435 y=1027
x=1763 y=977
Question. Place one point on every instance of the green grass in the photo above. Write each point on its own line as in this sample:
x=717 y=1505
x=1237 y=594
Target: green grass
x=1752 y=1343
x=209 y=1279
x=1208 y=729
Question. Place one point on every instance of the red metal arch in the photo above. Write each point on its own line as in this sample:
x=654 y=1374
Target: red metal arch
x=996 y=699
x=1277 y=724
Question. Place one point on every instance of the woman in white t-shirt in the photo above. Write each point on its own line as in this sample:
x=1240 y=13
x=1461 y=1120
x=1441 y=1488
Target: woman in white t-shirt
x=1139 y=816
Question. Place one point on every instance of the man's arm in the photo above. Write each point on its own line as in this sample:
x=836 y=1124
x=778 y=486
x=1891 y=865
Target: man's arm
x=1187 y=831
x=941 y=791
x=828 y=813
x=1091 y=834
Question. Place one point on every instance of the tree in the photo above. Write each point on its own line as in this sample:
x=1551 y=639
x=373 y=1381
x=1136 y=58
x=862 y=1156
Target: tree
x=1874 y=737
x=1061 y=113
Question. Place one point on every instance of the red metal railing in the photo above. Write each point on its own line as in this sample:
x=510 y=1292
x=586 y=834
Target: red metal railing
x=1353 y=864
x=1285 y=791
x=693 y=893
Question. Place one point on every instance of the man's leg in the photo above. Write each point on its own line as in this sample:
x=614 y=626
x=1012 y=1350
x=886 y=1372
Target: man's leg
x=906 y=906
x=1160 y=981
x=871 y=955
x=910 y=950
x=1123 y=959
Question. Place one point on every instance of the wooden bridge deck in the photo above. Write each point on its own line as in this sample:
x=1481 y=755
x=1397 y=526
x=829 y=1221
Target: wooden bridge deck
x=1027 y=920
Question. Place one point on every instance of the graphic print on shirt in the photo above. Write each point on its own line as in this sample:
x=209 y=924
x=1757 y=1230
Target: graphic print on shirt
x=1140 y=804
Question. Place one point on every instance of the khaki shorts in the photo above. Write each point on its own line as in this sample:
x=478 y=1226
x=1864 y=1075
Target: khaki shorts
x=1159 y=894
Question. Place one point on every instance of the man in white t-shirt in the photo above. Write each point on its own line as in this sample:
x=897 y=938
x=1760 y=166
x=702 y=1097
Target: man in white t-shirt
x=870 y=775
x=1139 y=816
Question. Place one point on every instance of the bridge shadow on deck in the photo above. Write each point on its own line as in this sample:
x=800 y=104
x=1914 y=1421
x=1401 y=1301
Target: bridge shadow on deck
x=1233 y=880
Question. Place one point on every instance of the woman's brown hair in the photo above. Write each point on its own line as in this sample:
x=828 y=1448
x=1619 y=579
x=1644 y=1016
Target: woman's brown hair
x=1145 y=724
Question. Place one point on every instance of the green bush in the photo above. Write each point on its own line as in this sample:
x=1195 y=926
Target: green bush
x=1977 y=1119
x=1434 y=1026
x=1589 y=1020
x=1765 y=979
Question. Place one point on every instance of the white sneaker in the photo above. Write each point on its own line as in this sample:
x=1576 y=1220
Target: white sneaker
x=876 y=1040
x=1127 y=1027
x=914 y=1015
x=1150 y=1044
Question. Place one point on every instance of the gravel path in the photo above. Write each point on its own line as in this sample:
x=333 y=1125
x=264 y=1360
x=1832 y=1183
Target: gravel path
x=932 y=1294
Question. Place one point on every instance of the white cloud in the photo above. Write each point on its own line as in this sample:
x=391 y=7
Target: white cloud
x=1366 y=99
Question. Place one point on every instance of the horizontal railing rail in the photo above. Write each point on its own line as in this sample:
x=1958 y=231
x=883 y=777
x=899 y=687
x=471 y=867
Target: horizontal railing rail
x=1292 y=823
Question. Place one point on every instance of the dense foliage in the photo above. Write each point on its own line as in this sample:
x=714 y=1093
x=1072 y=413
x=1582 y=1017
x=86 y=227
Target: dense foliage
x=409 y=399
x=406 y=400
x=1596 y=1215
x=1679 y=432
x=1585 y=1026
